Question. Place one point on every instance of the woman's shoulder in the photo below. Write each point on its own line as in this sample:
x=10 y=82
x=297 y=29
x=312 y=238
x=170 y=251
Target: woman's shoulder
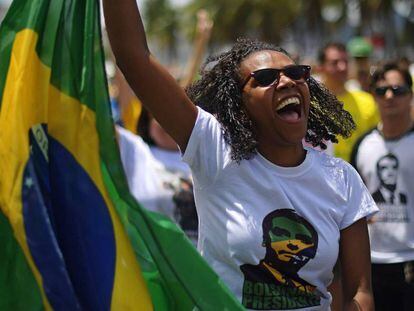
x=324 y=158
x=333 y=165
x=205 y=116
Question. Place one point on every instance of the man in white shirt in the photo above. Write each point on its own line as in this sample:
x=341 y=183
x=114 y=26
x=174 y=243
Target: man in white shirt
x=384 y=158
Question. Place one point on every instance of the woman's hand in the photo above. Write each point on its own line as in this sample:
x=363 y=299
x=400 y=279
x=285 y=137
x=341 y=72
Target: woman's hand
x=354 y=255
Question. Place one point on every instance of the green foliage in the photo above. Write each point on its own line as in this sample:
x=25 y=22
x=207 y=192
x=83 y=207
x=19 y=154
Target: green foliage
x=259 y=18
x=265 y=20
x=161 y=23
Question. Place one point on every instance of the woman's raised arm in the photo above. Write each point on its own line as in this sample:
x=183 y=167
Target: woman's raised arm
x=151 y=82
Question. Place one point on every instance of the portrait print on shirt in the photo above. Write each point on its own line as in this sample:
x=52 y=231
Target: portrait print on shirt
x=185 y=213
x=392 y=203
x=290 y=242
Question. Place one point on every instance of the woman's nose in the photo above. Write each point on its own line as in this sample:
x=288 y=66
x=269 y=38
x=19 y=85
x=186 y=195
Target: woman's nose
x=285 y=81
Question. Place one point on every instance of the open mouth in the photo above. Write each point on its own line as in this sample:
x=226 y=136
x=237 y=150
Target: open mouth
x=290 y=109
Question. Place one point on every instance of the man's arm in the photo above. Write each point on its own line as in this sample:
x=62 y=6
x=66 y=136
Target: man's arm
x=203 y=32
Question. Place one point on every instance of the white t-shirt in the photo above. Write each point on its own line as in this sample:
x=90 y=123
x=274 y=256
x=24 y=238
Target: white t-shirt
x=306 y=207
x=392 y=230
x=159 y=180
x=171 y=160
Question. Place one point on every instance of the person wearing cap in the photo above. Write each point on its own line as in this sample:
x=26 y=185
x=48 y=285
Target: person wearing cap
x=333 y=66
x=360 y=50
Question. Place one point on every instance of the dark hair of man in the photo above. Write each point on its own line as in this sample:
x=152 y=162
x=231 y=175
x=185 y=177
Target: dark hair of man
x=380 y=72
x=330 y=45
x=219 y=91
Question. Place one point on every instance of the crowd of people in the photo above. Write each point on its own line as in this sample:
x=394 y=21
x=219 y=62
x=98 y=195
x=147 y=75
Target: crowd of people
x=294 y=182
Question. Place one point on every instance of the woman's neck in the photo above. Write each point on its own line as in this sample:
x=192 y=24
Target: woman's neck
x=286 y=156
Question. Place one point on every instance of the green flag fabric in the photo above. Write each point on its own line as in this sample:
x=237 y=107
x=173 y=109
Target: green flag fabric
x=73 y=236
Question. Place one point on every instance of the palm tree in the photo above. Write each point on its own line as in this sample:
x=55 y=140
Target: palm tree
x=264 y=19
x=303 y=22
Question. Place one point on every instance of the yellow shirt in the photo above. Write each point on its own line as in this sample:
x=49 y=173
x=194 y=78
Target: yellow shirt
x=362 y=107
x=130 y=115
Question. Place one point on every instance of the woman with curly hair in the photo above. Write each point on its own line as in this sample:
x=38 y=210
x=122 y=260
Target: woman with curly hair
x=273 y=216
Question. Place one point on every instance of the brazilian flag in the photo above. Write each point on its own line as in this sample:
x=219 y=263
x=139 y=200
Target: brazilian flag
x=72 y=237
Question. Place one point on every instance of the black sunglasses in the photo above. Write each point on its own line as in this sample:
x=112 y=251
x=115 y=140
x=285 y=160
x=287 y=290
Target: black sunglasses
x=270 y=76
x=397 y=90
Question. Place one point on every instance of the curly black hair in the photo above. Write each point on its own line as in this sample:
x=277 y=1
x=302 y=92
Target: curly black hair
x=219 y=92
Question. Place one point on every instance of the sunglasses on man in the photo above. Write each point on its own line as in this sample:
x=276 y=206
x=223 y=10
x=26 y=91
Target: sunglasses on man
x=397 y=90
x=271 y=76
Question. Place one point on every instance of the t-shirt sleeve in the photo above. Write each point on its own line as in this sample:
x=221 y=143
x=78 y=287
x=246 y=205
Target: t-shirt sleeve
x=136 y=156
x=360 y=202
x=206 y=151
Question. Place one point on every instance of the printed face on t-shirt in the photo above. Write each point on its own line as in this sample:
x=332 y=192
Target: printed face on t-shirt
x=290 y=242
x=387 y=171
x=289 y=239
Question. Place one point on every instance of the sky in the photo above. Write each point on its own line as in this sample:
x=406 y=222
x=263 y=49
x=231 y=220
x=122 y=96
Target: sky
x=179 y=2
